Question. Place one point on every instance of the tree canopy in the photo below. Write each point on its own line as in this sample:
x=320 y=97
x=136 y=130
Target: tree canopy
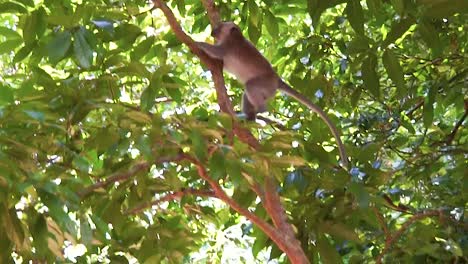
x=120 y=143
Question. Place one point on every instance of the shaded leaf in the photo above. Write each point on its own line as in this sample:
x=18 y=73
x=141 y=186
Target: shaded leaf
x=369 y=75
x=328 y=253
x=394 y=69
x=82 y=49
x=59 y=46
x=355 y=15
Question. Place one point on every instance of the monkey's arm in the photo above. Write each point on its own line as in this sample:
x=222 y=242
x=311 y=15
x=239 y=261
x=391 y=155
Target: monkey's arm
x=214 y=51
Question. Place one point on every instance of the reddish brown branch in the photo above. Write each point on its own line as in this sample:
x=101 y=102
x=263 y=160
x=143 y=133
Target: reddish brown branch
x=170 y=197
x=451 y=137
x=393 y=239
x=416 y=107
x=285 y=243
x=382 y=223
x=123 y=175
x=213 y=13
x=116 y=177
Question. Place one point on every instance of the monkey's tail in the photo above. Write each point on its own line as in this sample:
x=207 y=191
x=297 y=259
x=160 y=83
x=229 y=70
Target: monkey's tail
x=302 y=99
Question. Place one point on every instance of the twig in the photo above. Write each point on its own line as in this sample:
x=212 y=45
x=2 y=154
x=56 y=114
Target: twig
x=451 y=137
x=416 y=107
x=123 y=175
x=116 y=177
x=170 y=197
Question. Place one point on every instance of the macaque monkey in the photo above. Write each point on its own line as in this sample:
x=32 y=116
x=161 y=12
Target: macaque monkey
x=252 y=69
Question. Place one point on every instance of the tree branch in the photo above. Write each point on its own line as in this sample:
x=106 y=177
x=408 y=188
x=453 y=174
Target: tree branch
x=451 y=137
x=389 y=241
x=115 y=177
x=169 y=197
x=123 y=175
x=213 y=13
x=286 y=243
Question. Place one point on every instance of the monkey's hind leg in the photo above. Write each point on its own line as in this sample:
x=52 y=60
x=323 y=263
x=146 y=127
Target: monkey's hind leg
x=248 y=109
x=258 y=90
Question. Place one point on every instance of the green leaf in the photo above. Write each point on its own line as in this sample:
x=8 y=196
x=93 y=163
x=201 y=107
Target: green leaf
x=369 y=75
x=217 y=165
x=355 y=16
x=446 y=8
x=40 y=234
x=9 y=33
x=328 y=253
x=428 y=113
x=82 y=49
x=271 y=24
x=39 y=116
x=23 y=53
x=399 y=6
x=58 y=47
x=398 y=29
x=29 y=29
x=11 y=7
x=9 y=45
x=142 y=48
x=66 y=21
x=361 y=194
x=6 y=95
x=199 y=144
x=134 y=68
x=394 y=70
x=341 y=230
x=27 y=2
x=85 y=231
x=254 y=12
x=430 y=35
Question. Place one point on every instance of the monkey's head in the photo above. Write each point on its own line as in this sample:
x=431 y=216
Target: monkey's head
x=225 y=30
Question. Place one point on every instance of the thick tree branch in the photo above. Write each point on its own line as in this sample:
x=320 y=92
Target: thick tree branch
x=285 y=243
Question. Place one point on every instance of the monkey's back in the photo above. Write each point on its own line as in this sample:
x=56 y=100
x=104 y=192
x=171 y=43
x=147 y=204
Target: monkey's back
x=244 y=61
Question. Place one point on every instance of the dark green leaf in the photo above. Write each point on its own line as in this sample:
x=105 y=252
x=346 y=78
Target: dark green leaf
x=58 y=47
x=199 y=144
x=217 y=166
x=82 y=49
x=6 y=95
x=271 y=24
x=9 y=33
x=394 y=69
x=362 y=196
x=445 y=8
x=23 y=53
x=398 y=29
x=369 y=75
x=355 y=15
x=9 y=45
x=11 y=7
x=328 y=253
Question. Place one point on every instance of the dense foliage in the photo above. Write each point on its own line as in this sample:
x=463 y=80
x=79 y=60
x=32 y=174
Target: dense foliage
x=99 y=100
